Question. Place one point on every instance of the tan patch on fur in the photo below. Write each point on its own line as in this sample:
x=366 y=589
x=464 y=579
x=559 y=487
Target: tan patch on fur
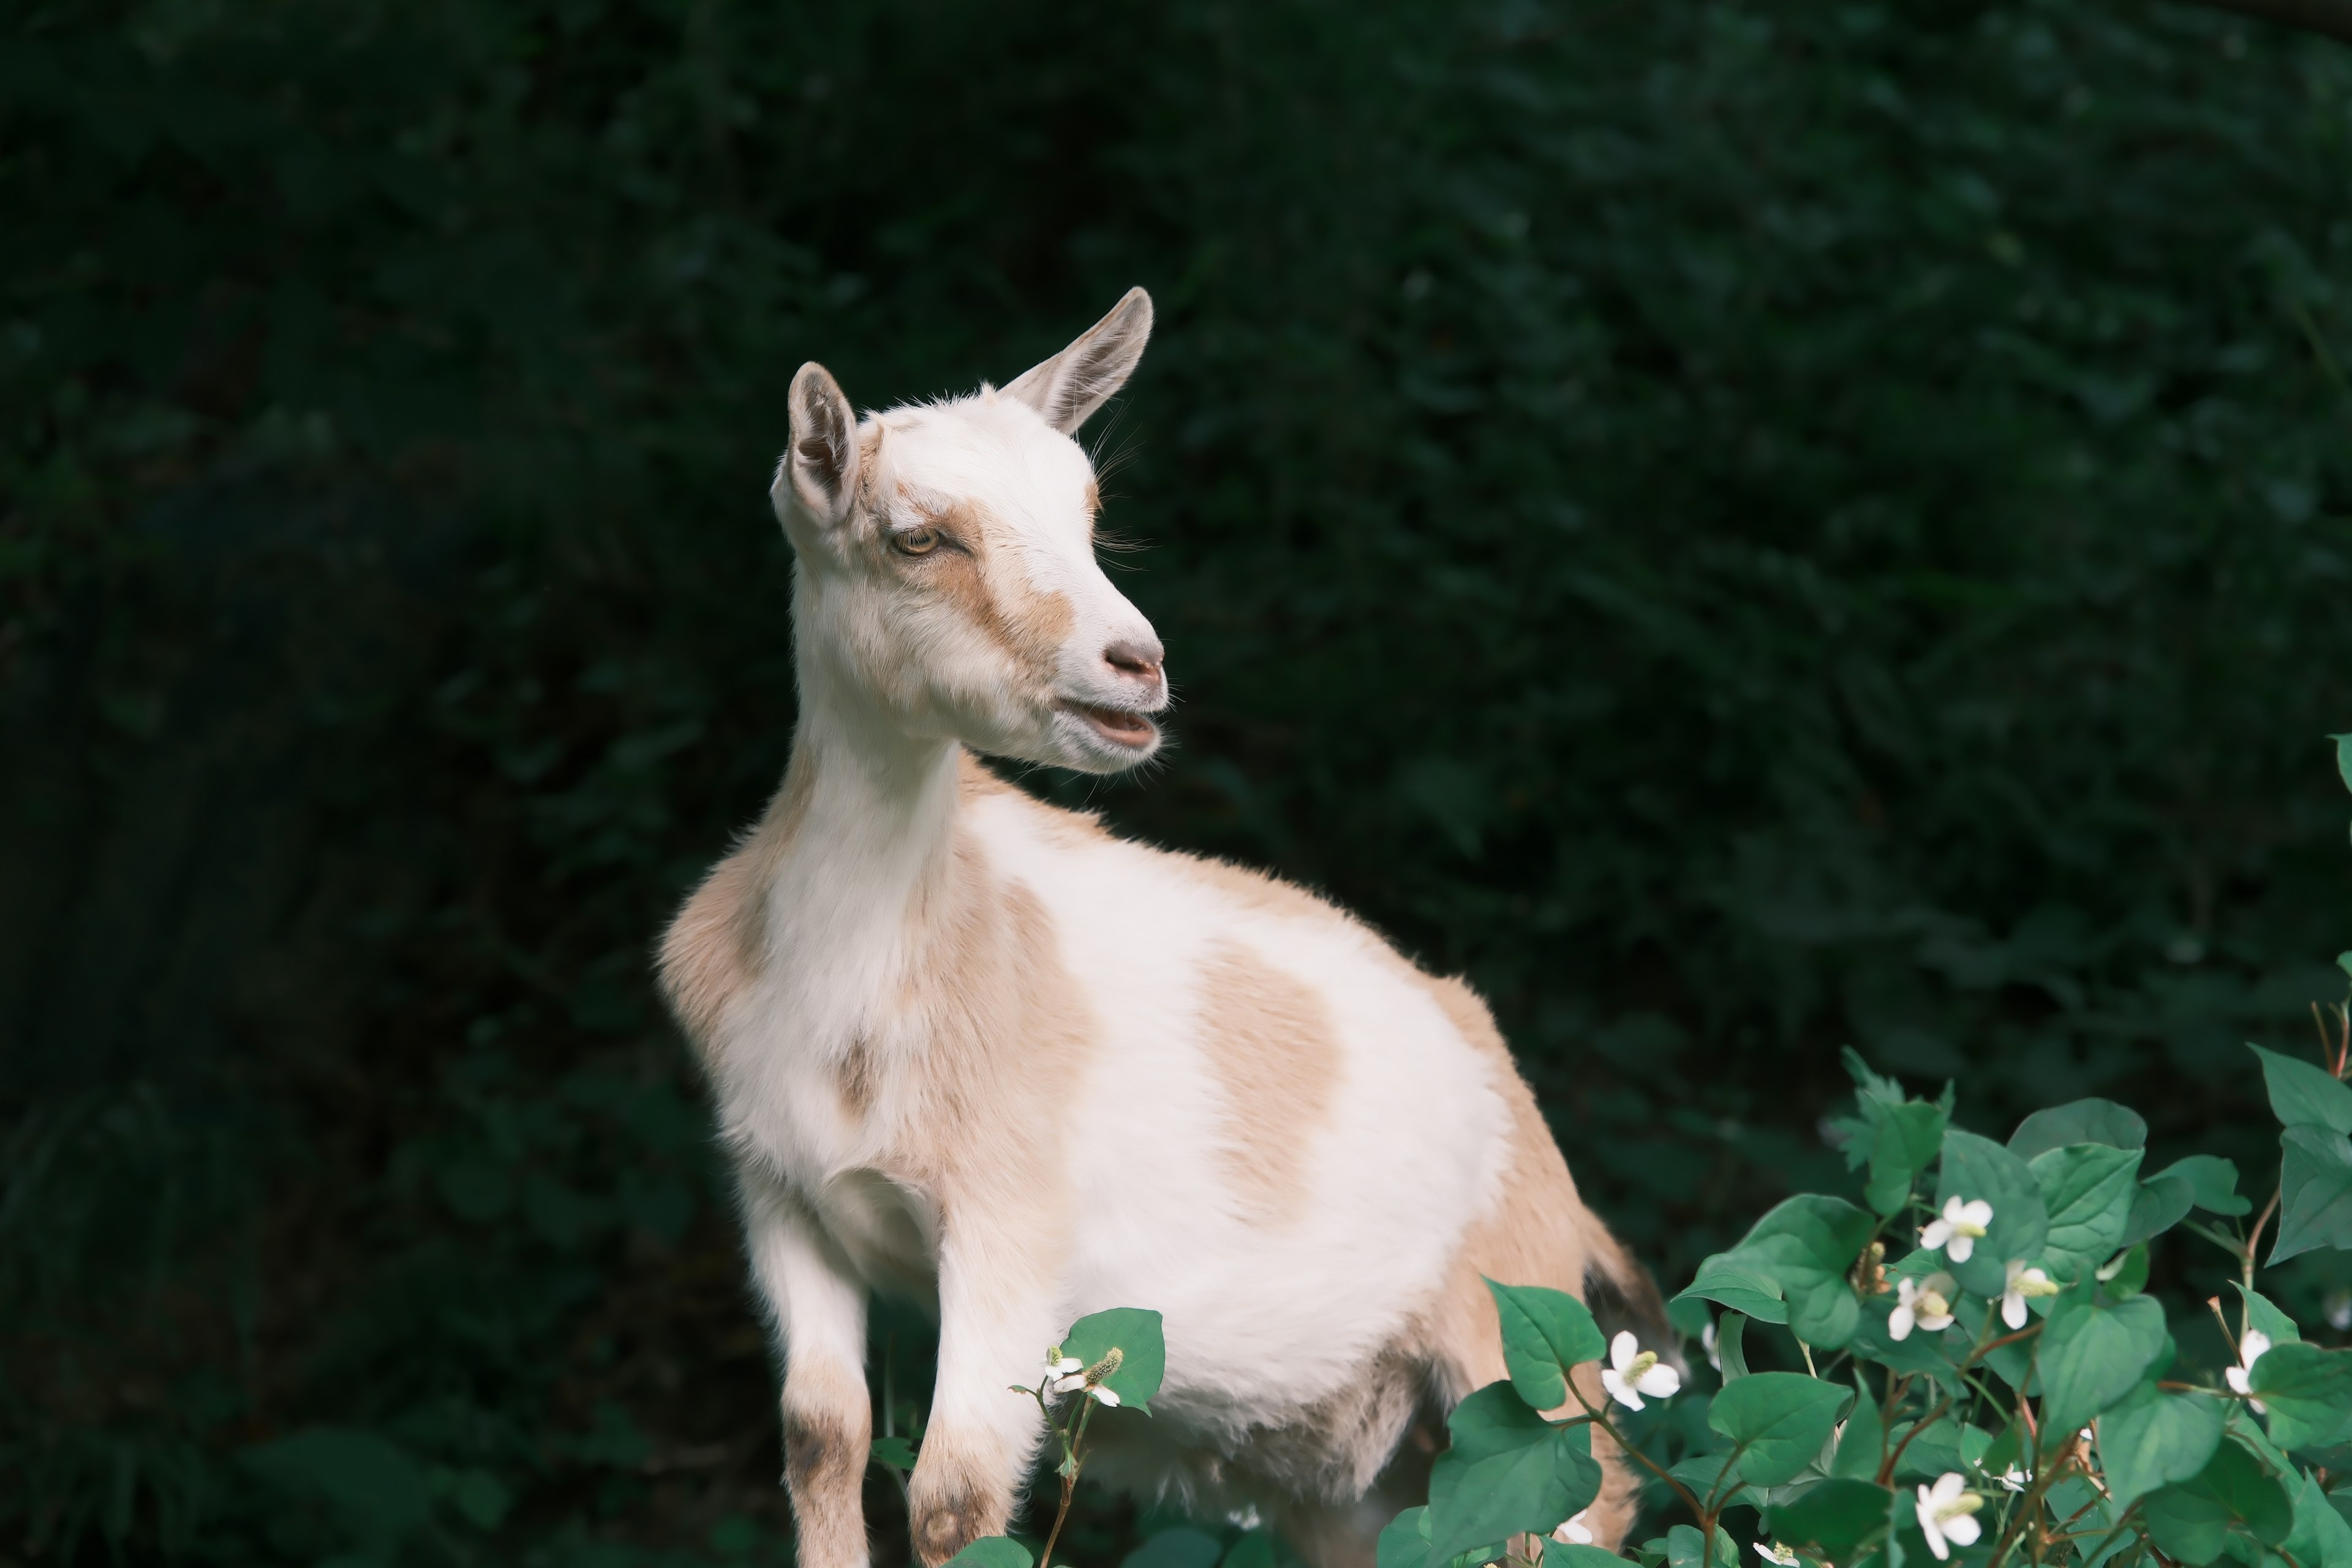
x=1006 y=1029
x=713 y=950
x=1029 y=625
x=828 y=1430
x=1270 y=1038
x=853 y=1074
x=1535 y=1231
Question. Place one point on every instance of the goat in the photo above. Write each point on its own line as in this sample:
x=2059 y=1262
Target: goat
x=973 y=1047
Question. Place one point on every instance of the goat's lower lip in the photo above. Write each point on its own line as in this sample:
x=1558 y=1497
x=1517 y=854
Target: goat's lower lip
x=1117 y=725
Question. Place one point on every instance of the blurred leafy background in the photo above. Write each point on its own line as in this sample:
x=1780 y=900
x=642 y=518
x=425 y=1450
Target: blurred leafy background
x=1746 y=529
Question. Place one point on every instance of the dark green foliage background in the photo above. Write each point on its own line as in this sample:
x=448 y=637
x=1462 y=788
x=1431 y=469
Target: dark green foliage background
x=1746 y=528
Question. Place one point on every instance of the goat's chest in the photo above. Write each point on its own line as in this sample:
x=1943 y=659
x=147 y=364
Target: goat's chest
x=833 y=1116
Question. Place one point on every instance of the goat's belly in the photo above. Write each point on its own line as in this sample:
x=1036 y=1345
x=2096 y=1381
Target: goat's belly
x=1282 y=1270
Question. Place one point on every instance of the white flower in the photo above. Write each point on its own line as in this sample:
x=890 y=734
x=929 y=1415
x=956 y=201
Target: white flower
x=1706 y=1343
x=2023 y=1282
x=1068 y=1375
x=1922 y=1303
x=1947 y=1512
x=1777 y=1553
x=1961 y=1227
x=2012 y=1479
x=1633 y=1372
x=1574 y=1531
x=2251 y=1349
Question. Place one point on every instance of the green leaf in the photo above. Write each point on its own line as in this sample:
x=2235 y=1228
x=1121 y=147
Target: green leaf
x=2130 y=1276
x=1978 y=1168
x=2309 y=1389
x=1506 y=1474
x=1834 y=1519
x=2093 y=1356
x=2088 y=1190
x=1576 y=1554
x=1947 y=1445
x=894 y=1453
x=1545 y=1332
x=1731 y=1345
x=1404 y=1542
x=2079 y=1121
x=1135 y=1333
x=2263 y=1316
x=1781 y=1419
x=2302 y=1095
x=2151 y=1439
x=1806 y=1246
x=2314 y=1192
x=1906 y=1139
x=1183 y=1548
x=2321 y=1537
x=1495 y=1420
x=1724 y=1281
x=994 y=1551
x=2162 y=1203
x=2213 y=1183
x=1862 y=1446
x=1685 y=1549
x=2344 y=758
x=2192 y=1521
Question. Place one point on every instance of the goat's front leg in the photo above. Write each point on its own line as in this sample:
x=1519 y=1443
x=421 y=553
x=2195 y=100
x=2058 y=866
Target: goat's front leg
x=820 y=1313
x=998 y=1299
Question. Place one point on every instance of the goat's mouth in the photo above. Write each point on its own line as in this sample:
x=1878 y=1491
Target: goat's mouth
x=1121 y=727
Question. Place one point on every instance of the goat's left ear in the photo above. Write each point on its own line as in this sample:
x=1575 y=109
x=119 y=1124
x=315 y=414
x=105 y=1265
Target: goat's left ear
x=820 y=467
x=1071 y=385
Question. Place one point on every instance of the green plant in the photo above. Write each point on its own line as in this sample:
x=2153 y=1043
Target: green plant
x=2010 y=1364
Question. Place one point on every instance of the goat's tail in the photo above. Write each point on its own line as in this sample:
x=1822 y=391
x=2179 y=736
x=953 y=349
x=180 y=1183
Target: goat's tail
x=1621 y=1293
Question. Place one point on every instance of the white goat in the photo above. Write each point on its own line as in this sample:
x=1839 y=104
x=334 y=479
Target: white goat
x=974 y=1046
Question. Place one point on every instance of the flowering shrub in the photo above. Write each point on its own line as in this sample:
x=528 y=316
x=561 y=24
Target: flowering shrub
x=1985 y=1381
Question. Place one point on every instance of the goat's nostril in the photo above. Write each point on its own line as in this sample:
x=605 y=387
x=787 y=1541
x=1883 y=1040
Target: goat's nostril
x=1140 y=660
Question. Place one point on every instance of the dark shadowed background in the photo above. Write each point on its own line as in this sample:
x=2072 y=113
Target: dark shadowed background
x=1748 y=529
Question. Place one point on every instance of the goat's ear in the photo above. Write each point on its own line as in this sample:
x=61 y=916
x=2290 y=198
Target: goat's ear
x=1071 y=385
x=820 y=467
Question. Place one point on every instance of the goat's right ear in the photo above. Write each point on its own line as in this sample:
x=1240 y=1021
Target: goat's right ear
x=819 y=469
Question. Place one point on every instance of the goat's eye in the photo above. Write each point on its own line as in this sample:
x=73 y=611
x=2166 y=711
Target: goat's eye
x=916 y=541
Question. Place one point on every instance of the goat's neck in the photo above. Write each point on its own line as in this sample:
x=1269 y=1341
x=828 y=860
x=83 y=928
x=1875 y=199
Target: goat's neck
x=871 y=847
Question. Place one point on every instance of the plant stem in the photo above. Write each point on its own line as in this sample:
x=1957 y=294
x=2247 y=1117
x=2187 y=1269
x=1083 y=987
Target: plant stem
x=2254 y=1236
x=1071 y=1438
x=1886 y=1470
x=1690 y=1498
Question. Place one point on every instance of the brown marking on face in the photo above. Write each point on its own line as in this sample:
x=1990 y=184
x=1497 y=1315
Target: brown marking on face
x=1270 y=1039
x=714 y=950
x=984 y=580
x=827 y=1432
